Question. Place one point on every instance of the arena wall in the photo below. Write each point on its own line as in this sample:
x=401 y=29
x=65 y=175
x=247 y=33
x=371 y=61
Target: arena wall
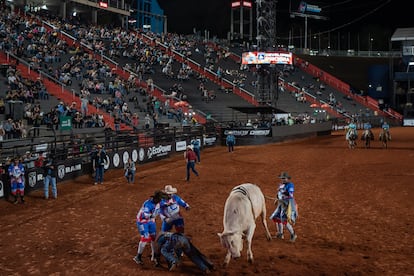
x=75 y=161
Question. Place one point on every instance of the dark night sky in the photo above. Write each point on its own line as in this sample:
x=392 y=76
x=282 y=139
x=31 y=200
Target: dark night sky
x=379 y=18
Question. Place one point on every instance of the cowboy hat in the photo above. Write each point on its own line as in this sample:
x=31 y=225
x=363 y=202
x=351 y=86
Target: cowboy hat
x=99 y=146
x=168 y=189
x=190 y=147
x=284 y=175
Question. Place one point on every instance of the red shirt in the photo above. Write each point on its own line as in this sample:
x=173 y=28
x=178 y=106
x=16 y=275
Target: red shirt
x=191 y=156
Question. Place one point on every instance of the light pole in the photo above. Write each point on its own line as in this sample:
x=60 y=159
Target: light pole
x=306 y=16
x=370 y=46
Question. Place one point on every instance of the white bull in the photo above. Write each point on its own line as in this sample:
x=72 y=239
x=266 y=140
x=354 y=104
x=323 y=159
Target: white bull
x=244 y=204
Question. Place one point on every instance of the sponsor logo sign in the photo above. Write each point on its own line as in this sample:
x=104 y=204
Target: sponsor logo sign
x=125 y=157
x=249 y=132
x=73 y=168
x=180 y=145
x=107 y=162
x=209 y=141
x=61 y=171
x=115 y=160
x=32 y=179
x=1 y=189
x=141 y=154
x=158 y=151
x=134 y=155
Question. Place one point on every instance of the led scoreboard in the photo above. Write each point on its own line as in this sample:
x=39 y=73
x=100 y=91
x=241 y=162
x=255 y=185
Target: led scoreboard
x=252 y=58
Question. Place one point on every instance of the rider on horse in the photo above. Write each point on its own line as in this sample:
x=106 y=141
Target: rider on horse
x=368 y=130
x=352 y=131
x=386 y=128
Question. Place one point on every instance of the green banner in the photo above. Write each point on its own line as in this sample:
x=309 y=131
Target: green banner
x=65 y=122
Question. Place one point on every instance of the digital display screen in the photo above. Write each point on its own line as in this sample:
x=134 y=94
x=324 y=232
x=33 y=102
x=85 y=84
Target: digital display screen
x=267 y=58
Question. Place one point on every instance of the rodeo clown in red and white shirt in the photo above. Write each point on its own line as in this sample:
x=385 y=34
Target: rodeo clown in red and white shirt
x=146 y=224
x=170 y=211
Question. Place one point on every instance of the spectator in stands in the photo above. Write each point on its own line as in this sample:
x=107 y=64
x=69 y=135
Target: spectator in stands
x=147 y=121
x=2 y=132
x=8 y=128
x=37 y=120
x=117 y=123
x=84 y=105
x=50 y=177
x=135 y=121
x=29 y=160
x=78 y=120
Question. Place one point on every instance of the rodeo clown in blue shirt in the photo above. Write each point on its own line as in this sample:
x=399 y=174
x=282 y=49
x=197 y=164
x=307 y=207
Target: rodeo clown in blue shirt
x=170 y=210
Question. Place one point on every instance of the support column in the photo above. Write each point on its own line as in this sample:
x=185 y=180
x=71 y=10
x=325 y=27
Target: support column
x=241 y=23
x=95 y=16
x=231 y=25
x=63 y=10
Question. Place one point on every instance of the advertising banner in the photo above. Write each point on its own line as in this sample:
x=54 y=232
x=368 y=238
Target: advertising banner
x=252 y=58
x=65 y=122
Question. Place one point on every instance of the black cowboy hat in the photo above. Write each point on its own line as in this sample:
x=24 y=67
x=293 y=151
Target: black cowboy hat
x=284 y=175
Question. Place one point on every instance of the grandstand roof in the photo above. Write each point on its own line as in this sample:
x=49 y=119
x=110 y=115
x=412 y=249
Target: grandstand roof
x=403 y=34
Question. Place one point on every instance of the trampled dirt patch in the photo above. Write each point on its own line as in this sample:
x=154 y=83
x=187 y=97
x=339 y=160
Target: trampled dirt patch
x=356 y=213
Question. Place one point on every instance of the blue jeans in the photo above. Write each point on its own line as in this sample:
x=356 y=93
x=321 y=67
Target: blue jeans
x=191 y=165
x=197 y=152
x=230 y=146
x=175 y=244
x=99 y=173
x=52 y=181
x=130 y=176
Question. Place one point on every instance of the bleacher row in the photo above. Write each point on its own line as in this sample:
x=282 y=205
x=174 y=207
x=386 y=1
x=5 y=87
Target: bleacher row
x=123 y=76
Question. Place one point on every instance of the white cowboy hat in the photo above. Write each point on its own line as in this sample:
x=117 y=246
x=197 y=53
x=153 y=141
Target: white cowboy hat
x=190 y=147
x=168 y=189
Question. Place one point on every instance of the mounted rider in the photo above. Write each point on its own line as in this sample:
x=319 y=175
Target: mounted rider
x=367 y=131
x=386 y=129
x=352 y=130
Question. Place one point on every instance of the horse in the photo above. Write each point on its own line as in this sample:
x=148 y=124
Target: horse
x=384 y=137
x=351 y=137
x=367 y=136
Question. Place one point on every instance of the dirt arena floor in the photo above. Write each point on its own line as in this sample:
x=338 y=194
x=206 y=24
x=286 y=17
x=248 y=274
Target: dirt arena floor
x=356 y=213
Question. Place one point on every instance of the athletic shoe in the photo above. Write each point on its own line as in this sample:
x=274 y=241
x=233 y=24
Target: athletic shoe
x=138 y=260
x=280 y=236
x=293 y=238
